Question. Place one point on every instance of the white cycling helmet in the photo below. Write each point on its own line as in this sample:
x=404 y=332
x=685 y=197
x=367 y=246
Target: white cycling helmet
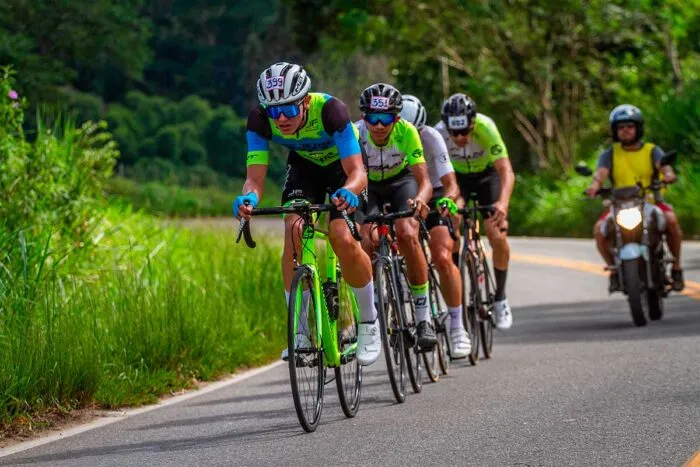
x=283 y=83
x=413 y=111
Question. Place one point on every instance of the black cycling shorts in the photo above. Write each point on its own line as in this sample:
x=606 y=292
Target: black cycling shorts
x=312 y=182
x=484 y=187
x=396 y=191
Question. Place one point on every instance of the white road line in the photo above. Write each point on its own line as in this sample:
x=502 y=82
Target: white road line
x=116 y=416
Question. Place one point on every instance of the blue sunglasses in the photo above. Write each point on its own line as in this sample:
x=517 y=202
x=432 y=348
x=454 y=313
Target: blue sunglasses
x=383 y=118
x=289 y=110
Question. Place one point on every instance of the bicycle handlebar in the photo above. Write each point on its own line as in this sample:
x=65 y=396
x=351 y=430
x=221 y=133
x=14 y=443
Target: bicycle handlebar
x=385 y=218
x=305 y=209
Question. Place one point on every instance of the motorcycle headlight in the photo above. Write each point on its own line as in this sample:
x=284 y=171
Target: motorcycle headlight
x=629 y=218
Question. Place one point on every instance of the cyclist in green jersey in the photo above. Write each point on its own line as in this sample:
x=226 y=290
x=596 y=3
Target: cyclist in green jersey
x=325 y=158
x=398 y=175
x=484 y=173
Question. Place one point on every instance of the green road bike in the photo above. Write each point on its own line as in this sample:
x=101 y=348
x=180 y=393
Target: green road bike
x=332 y=324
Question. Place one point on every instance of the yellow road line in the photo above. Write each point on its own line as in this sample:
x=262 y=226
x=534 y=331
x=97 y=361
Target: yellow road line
x=692 y=289
x=693 y=461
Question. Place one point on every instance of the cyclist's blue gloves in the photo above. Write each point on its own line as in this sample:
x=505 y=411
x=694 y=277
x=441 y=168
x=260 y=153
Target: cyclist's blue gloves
x=350 y=197
x=251 y=198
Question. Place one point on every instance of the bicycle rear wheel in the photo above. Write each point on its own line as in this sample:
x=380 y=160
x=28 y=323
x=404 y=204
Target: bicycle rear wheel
x=391 y=325
x=471 y=302
x=348 y=377
x=413 y=355
x=486 y=325
x=306 y=373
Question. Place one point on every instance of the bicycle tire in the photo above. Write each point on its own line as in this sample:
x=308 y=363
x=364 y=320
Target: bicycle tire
x=486 y=325
x=307 y=393
x=443 y=332
x=390 y=326
x=413 y=358
x=432 y=359
x=348 y=376
x=471 y=302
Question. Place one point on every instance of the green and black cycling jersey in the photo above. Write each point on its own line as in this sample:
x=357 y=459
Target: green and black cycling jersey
x=327 y=136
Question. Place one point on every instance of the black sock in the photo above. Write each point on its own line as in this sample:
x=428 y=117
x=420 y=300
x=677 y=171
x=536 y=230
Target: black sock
x=500 y=283
x=455 y=259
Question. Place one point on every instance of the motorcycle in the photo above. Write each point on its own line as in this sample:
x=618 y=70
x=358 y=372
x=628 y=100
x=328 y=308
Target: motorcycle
x=636 y=232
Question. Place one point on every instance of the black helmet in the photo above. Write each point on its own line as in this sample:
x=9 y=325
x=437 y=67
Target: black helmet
x=626 y=113
x=458 y=105
x=381 y=97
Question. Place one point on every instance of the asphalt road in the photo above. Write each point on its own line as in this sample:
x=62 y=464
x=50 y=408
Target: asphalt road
x=572 y=383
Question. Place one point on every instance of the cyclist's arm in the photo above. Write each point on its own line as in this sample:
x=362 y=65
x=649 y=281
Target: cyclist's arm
x=505 y=173
x=449 y=186
x=258 y=135
x=337 y=123
x=255 y=180
x=425 y=188
x=490 y=138
x=413 y=148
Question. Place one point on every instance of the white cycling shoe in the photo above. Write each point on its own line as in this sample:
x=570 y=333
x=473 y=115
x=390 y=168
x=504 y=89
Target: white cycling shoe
x=504 y=317
x=369 y=343
x=461 y=346
x=303 y=342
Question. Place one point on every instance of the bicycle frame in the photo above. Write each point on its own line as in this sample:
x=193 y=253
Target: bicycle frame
x=326 y=324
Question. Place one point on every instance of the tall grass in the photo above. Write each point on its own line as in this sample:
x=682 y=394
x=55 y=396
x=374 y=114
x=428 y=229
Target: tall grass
x=145 y=309
x=162 y=199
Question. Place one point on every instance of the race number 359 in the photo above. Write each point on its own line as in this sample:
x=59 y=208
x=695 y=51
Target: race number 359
x=276 y=82
x=379 y=103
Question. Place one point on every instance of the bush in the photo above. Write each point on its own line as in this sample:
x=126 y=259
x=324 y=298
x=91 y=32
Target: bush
x=54 y=181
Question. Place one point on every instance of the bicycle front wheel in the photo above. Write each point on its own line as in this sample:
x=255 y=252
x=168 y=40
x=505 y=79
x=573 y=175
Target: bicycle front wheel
x=434 y=359
x=306 y=373
x=471 y=302
x=391 y=325
x=486 y=325
x=410 y=333
x=348 y=377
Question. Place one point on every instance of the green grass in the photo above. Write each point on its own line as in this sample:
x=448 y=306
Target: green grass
x=161 y=199
x=141 y=311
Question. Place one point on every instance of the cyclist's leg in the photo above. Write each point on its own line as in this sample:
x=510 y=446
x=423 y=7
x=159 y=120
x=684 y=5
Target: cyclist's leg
x=441 y=245
x=407 y=230
x=488 y=191
x=370 y=239
x=356 y=267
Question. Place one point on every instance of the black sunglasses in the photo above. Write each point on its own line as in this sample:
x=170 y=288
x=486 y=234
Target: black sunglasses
x=460 y=132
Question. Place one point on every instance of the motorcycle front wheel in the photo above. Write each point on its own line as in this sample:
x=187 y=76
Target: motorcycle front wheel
x=635 y=289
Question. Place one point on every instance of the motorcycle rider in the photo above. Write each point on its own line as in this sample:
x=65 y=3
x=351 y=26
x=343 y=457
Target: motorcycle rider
x=631 y=161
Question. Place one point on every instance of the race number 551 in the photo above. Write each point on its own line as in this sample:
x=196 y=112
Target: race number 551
x=379 y=103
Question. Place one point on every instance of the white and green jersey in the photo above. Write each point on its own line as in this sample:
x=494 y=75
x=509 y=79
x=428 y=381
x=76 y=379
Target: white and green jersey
x=403 y=149
x=485 y=147
x=436 y=155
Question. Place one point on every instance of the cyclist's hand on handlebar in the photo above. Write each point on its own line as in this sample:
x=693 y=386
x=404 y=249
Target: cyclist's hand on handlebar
x=244 y=204
x=420 y=206
x=446 y=207
x=345 y=199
